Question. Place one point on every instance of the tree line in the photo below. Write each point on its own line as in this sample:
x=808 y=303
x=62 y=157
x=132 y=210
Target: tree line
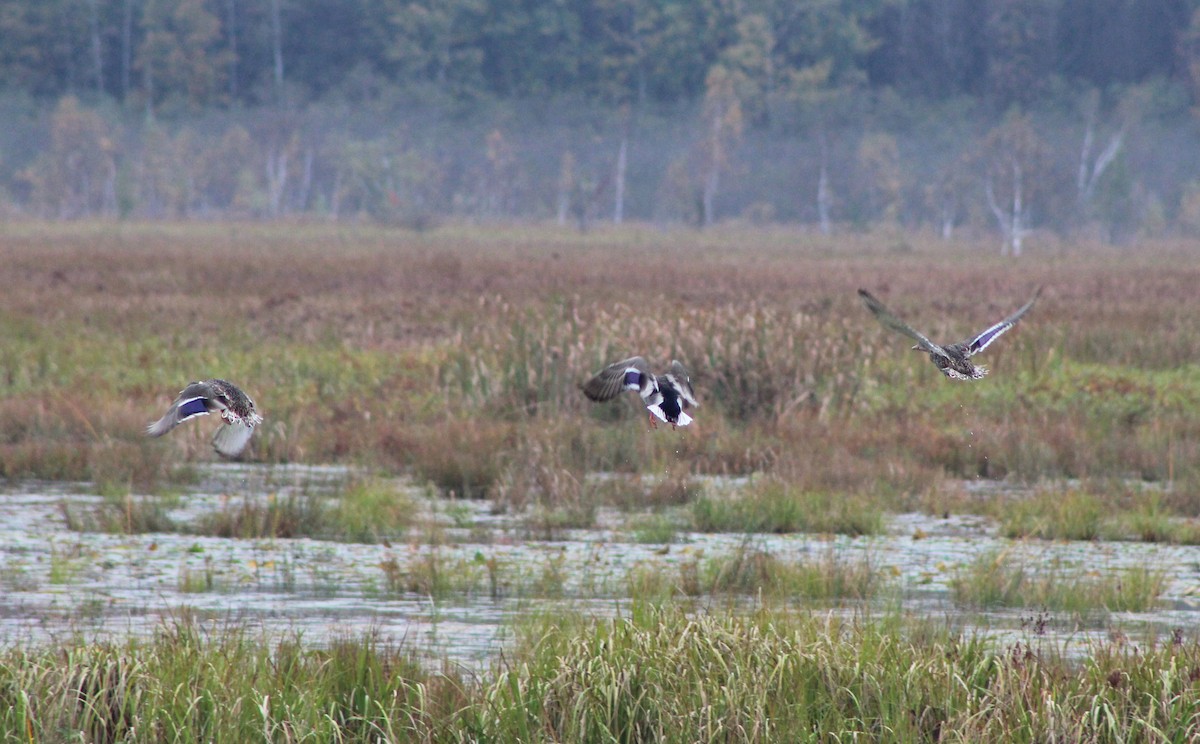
x=1008 y=115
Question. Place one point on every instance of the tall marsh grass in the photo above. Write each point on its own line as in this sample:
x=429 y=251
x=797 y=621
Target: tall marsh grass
x=436 y=354
x=187 y=685
x=751 y=359
x=656 y=674
x=660 y=675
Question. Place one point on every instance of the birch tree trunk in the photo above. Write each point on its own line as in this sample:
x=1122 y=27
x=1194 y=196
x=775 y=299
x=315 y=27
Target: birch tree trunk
x=277 y=48
x=1009 y=154
x=126 y=47
x=97 y=50
x=231 y=29
x=947 y=220
x=277 y=171
x=709 y=195
x=306 y=180
x=1018 y=211
x=1090 y=170
x=619 y=181
x=335 y=197
x=566 y=186
x=1011 y=222
x=824 y=197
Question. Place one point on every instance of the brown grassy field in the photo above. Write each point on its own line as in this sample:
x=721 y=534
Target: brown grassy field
x=456 y=355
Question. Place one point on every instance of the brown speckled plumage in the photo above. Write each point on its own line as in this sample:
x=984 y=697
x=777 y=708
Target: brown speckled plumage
x=953 y=360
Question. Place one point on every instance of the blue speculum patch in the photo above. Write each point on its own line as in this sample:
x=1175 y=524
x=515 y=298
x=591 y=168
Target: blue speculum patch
x=982 y=340
x=193 y=407
x=633 y=377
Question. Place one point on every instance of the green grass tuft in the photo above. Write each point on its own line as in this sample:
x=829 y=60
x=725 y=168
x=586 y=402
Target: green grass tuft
x=1054 y=515
x=772 y=506
x=997 y=579
x=370 y=511
x=655 y=528
x=252 y=517
x=755 y=571
x=123 y=514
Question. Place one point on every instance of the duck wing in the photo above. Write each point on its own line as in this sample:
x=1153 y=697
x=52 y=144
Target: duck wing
x=889 y=320
x=616 y=378
x=678 y=375
x=985 y=338
x=231 y=438
x=197 y=399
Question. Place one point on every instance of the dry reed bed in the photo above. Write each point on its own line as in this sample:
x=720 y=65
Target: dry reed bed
x=457 y=354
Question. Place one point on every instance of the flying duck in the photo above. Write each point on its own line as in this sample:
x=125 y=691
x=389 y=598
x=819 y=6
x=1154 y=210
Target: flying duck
x=667 y=396
x=213 y=396
x=954 y=359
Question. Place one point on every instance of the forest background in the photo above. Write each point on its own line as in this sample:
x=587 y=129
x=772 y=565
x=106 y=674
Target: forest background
x=1063 y=118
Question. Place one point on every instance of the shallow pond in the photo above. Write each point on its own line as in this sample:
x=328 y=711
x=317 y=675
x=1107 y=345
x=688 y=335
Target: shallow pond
x=58 y=583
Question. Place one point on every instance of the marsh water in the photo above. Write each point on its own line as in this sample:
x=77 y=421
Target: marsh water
x=57 y=582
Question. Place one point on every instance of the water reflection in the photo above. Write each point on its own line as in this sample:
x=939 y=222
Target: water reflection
x=57 y=582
